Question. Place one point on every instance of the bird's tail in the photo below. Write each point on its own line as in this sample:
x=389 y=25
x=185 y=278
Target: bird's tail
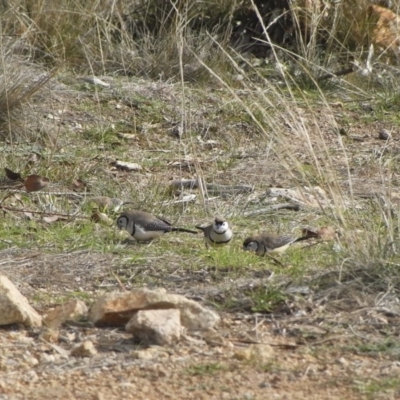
x=201 y=228
x=305 y=237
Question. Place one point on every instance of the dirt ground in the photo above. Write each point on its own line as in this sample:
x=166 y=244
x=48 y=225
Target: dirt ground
x=310 y=349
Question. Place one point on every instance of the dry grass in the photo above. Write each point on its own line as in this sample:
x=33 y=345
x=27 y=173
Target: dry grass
x=213 y=113
x=304 y=147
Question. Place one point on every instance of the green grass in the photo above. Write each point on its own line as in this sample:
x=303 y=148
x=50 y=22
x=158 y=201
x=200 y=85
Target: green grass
x=384 y=386
x=205 y=369
x=282 y=126
x=265 y=299
x=388 y=346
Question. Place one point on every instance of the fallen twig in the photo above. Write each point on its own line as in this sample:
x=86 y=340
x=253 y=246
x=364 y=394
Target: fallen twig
x=275 y=207
x=212 y=187
x=43 y=212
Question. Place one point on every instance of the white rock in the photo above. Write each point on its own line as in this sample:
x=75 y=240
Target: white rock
x=14 y=307
x=70 y=311
x=47 y=358
x=84 y=349
x=156 y=326
x=116 y=308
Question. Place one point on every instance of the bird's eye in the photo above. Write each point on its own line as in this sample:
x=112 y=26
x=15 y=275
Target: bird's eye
x=122 y=222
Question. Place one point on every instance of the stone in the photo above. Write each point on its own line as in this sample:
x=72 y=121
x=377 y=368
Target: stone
x=84 y=349
x=156 y=326
x=145 y=354
x=384 y=134
x=116 y=308
x=71 y=311
x=14 y=307
x=262 y=353
x=49 y=335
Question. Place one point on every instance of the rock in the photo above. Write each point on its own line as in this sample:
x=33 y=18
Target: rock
x=156 y=326
x=149 y=353
x=84 y=349
x=49 y=335
x=261 y=353
x=384 y=134
x=116 y=308
x=30 y=360
x=14 y=307
x=70 y=311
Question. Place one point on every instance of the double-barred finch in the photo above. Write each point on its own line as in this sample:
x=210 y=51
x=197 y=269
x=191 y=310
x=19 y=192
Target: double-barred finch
x=144 y=226
x=270 y=243
x=218 y=233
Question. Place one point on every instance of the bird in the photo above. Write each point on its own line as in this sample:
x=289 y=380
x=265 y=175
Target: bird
x=218 y=233
x=145 y=227
x=270 y=243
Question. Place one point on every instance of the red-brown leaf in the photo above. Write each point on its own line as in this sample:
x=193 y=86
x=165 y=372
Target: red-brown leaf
x=34 y=183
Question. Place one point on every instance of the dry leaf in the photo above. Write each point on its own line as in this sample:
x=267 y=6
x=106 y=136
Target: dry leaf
x=14 y=176
x=327 y=233
x=105 y=202
x=34 y=183
x=99 y=217
x=127 y=166
x=128 y=136
x=50 y=219
x=79 y=185
x=93 y=80
x=324 y=233
x=28 y=216
x=32 y=159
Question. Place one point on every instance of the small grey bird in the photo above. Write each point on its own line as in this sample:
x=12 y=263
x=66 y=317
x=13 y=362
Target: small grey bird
x=144 y=226
x=270 y=243
x=217 y=233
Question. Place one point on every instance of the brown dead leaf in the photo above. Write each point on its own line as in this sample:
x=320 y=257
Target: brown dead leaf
x=327 y=233
x=127 y=136
x=99 y=217
x=14 y=176
x=34 y=183
x=78 y=185
x=51 y=218
x=324 y=233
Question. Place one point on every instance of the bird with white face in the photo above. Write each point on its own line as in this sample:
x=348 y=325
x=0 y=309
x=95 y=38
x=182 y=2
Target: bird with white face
x=218 y=233
x=145 y=227
x=270 y=243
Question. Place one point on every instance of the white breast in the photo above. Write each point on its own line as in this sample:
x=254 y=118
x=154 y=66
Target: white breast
x=216 y=238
